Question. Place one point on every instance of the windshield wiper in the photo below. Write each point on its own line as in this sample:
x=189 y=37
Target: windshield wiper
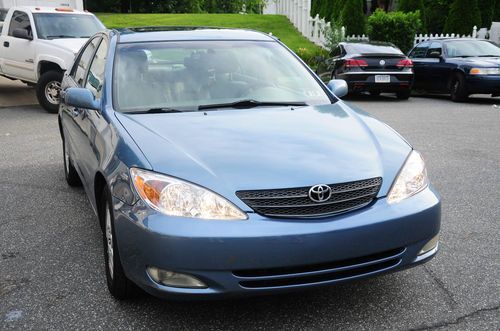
x=60 y=36
x=246 y=104
x=155 y=111
x=488 y=55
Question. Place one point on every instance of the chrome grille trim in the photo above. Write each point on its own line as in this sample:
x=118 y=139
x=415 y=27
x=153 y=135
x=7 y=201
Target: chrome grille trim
x=295 y=202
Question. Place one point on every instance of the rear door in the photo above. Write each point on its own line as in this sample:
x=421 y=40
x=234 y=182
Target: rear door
x=19 y=54
x=437 y=69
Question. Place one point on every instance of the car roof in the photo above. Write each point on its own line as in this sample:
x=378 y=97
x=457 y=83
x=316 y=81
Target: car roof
x=444 y=39
x=186 y=33
x=51 y=10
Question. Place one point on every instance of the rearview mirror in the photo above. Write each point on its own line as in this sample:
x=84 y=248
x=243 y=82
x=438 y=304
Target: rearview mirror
x=22 y=34
x=80 y=98
x=338 y=87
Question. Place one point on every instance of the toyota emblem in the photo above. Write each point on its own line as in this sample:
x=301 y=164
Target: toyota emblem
x=320 y=193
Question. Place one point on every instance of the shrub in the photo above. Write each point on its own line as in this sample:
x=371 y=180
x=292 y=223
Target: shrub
x=315 y=58
x=353 y=17
x=408 y=6
x=463 y=15
x=496 y=15
x=396 y=27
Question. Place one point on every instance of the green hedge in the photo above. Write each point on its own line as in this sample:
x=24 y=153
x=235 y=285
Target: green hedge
x=463 y=15
x=396 y=27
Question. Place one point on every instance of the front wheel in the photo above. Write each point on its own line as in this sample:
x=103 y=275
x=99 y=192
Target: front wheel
x=458 y=89
x=119 y=285
x=48 y=90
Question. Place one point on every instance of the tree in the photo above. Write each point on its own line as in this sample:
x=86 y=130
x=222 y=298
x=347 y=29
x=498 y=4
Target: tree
x=463 y=16
x=353 y=18
x=496 y=15
x=487 y=9
x=408 y=6
x=435 y=13
x=337 y=10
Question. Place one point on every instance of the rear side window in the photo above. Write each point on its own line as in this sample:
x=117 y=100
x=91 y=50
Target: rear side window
x=420 y=51
x=20 y=20
x=95 y=78
x=80 y=69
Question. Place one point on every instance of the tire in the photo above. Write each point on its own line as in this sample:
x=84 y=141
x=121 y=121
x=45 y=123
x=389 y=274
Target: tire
x=120 y=287
x=403 y=95
x=458 y=90
x=72 y=177
x=47 y=90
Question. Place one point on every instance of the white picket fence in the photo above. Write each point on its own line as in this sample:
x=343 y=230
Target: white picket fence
x=314 y=28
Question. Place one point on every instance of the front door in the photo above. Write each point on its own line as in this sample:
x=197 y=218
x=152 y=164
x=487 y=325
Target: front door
x=19 y=54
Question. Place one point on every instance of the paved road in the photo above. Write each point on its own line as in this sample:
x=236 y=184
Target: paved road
x=15 y=93
x=51 y=274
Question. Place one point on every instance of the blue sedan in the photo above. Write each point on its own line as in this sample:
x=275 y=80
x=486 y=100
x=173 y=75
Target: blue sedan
x=459 y=67
x=219 y=165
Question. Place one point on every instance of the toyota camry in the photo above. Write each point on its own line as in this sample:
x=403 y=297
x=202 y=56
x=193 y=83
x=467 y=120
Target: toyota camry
x=219 y=165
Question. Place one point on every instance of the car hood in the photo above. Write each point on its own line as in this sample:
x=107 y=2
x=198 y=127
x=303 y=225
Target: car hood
x=483 y=61
x=269 y=148
x=72 y=45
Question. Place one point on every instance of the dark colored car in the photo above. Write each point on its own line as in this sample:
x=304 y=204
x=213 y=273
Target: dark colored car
x=219 y=165
x=373 y=67
x=459 y=67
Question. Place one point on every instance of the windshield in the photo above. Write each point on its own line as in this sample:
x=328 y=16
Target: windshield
x=469 y=48
x=55 y=26
x=191 y=74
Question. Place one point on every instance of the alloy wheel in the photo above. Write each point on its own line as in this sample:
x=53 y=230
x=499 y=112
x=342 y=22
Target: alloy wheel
x=53 y=92
x=109 y=241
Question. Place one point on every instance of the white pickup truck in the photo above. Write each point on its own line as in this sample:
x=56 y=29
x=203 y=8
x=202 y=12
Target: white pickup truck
x=38 y=44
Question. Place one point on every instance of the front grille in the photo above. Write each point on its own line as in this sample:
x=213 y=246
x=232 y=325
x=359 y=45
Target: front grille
x=295 y=202
x=317 y=273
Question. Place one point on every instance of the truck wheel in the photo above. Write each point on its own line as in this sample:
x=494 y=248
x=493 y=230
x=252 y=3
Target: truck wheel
x=48 y=90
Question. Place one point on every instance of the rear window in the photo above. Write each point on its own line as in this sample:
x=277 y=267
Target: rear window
x=369 y=48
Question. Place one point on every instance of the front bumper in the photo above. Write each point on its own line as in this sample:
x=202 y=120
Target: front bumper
x=362 y=82
x=483 y=84
x=262 y=255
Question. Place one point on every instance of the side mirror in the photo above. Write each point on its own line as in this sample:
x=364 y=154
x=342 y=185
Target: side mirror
x=338 y=87
x=80 y=98
x=22 y=34
x=435 y=55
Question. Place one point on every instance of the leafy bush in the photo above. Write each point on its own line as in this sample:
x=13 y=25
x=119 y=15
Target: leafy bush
x=396 y=27
x=353 y=17
x=463 y=15
x=315 y=57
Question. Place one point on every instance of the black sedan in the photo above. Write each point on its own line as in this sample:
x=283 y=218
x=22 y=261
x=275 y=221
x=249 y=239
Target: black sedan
x=459 y=67
x=373 y=67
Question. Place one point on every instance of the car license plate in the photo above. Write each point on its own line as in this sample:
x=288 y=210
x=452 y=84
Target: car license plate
x=382 y=78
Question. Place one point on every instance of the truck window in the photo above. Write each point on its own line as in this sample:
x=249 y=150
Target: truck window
x=20 y=20
x=95 y=78
x=79 y=70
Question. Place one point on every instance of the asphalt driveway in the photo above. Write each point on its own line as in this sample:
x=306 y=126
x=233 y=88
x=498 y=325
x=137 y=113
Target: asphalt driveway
x=51 y=264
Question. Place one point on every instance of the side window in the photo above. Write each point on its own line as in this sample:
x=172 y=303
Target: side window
x=420 y=51
x=20 y=20
x=79 y=70
x=435 y=50
x=95 y=78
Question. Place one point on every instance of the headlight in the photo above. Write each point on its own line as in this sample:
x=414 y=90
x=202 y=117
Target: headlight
x=174 y=197
x=411 y=180
x=485 y=71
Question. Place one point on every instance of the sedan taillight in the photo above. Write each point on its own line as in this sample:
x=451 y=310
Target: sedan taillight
x=353 y=63
x=406 y=63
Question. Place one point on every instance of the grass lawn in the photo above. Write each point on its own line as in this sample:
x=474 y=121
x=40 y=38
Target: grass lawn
x=280 y=26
